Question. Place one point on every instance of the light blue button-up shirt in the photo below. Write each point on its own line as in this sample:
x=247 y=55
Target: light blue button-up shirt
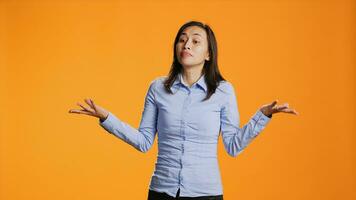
x=188 y=131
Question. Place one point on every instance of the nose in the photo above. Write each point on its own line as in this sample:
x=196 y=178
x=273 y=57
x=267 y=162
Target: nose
x=187 y=45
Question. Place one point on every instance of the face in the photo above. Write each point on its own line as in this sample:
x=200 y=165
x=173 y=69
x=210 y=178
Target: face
x=192 y=47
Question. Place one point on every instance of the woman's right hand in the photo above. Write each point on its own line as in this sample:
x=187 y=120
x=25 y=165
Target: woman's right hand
x=93 y=110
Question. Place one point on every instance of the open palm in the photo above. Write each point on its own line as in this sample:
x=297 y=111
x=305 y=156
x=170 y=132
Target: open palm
x=272 y=108
x=93 y=110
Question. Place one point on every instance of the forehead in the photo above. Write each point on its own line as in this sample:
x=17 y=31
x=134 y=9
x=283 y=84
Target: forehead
x=194 y=30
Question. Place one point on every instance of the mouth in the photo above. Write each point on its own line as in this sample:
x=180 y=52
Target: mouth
x=185 y=54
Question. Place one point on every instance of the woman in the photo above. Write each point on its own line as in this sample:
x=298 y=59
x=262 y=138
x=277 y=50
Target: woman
x=188 y=109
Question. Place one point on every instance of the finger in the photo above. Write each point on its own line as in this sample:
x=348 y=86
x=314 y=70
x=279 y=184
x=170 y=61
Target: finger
x=295 y=112
x=88 y=102
x=289 y=111
x=281 y=107
x=80 y=112
x=273 y=103
x=92 y=103
x=75 y=111
x=85 y=108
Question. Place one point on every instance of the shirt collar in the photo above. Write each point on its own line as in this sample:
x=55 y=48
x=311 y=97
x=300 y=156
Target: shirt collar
x=179 y=80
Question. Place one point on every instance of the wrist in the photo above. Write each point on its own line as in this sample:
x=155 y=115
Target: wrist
x=266 y=114
x=102 y=119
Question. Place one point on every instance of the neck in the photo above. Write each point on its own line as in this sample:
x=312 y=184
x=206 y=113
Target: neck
x=191 y=75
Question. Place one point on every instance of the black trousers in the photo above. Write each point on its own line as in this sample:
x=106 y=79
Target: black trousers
x=153 y=195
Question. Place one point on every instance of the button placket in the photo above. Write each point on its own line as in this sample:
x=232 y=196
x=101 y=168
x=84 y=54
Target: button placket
x=184 y=126
x=184 y=114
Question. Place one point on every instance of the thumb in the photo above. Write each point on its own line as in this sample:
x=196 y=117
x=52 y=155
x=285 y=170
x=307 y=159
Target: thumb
x=274 y=103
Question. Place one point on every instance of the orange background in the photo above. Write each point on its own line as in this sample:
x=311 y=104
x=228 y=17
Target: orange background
x=56 y=53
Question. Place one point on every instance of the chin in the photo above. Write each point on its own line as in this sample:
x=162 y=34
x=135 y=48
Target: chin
x=187 y=63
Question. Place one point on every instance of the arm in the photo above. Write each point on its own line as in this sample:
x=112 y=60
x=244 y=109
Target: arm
x=235 y=139
x=142 y=138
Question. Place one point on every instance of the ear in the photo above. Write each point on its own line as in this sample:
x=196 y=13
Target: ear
x=207 y=58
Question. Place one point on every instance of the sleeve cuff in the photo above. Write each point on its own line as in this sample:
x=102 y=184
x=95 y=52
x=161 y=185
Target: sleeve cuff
x=107 y=124
x=261 y=118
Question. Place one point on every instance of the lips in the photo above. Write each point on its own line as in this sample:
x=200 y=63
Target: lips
x=185 y=54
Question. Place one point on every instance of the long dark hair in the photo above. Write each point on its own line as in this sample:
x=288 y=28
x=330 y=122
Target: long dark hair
x=210 y=69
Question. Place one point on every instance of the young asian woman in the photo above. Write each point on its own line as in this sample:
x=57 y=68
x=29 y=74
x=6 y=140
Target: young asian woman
x=187 y=110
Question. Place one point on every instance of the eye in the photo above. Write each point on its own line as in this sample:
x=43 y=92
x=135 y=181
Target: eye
x=196 y=41
x=181 y=40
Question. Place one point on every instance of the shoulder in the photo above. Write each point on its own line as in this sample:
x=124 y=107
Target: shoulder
x=158 y=79
x=156 y=82
x=226 y=87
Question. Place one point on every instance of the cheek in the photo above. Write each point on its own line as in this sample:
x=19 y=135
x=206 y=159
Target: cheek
x=178 y=48
x=200 y=51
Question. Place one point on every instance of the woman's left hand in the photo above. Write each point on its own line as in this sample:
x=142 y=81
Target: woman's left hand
x=272 y=108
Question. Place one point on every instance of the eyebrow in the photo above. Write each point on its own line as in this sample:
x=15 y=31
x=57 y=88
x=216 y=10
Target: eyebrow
x=193 y=34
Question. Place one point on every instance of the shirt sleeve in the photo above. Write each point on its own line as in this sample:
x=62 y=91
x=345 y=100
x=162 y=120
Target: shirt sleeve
x=235 y=139
x=142 y=138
